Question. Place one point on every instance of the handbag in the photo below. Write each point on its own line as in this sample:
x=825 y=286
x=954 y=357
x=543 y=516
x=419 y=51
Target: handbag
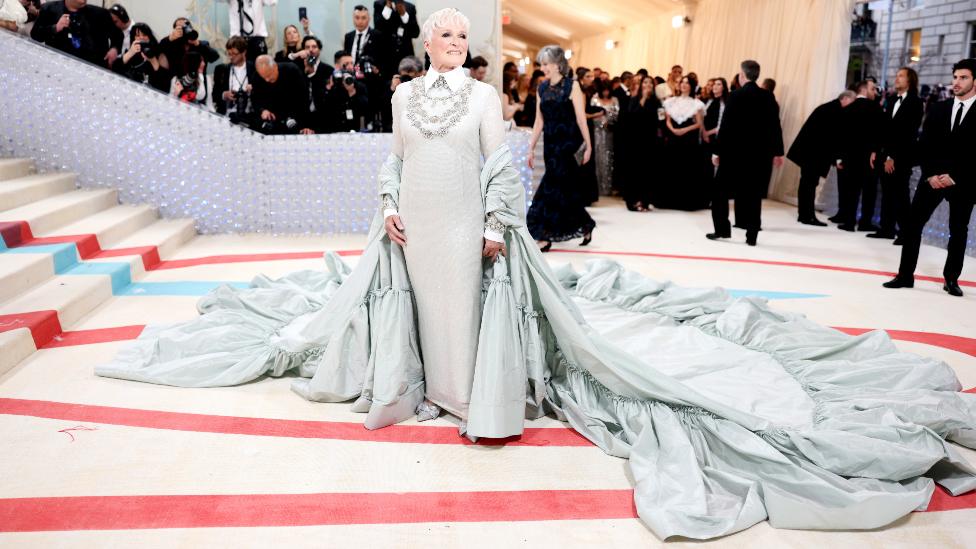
x=579 y=154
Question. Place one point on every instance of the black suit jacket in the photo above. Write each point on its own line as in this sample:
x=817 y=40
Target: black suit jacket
x=286 y=98
x=949 y=152
x=97 y=34
x=400 y=41
x=749 y=137
x=377 y=47
x=863 y=124
x=222 y=83
x=176 y=51
x=815 y=146
x=901 y=135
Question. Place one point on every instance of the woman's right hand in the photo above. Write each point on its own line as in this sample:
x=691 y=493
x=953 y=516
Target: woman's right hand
x=394 y=230
x=135 y=48
x=531 y=158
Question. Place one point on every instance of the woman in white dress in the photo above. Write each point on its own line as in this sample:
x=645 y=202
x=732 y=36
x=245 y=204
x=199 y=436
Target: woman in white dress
x=684 y=188
x=730 y=412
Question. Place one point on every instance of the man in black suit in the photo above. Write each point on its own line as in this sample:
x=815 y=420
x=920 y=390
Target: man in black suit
x=948 y=173
x=622 y=92
x=862 y=126
x=178 y=44
x=366 y=42
x=814 y=152
x=280 y=97
x=233 y=83
x=904 y=113
x=318 y=80
x=84 y=31
x=396 y=19
x=751 y=144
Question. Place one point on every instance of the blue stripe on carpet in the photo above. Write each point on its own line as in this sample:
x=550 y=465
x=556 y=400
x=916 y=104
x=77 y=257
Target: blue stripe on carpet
x=65 y=255
x=772 y=295
x=119 y=273
x=185 y=288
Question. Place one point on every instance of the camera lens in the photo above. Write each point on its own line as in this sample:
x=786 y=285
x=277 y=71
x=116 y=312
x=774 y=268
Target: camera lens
x=348 y=80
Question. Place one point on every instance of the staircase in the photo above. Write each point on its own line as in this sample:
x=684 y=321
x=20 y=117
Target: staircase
x=64 y=251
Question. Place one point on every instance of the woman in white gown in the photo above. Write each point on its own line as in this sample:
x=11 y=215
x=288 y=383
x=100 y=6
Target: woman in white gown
x=730 y=413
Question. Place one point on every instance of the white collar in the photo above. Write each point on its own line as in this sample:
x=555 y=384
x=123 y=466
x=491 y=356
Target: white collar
x=362 y=32
x=455 y=78
x=957 y=101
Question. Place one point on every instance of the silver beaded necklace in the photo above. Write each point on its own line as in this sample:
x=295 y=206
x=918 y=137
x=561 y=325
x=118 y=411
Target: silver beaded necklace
x=434 y=115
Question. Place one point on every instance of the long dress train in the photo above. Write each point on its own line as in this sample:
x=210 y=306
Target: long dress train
x=730 y=413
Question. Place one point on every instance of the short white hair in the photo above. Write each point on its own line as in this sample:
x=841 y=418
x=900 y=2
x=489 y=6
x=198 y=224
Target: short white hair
x=447 y=17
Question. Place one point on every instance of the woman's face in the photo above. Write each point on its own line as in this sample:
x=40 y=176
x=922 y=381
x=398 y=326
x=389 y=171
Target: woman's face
x=647 y=86
x=291 y=36
x=550 y=69
x=717 y=89
x=447 y=47
x=685 y=87
x=139 y=36
x=587 y=79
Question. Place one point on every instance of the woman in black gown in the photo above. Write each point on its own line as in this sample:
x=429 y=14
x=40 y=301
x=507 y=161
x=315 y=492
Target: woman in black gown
x=685 y=187
x=589 y=187
x=639 y=134
x=557 y=211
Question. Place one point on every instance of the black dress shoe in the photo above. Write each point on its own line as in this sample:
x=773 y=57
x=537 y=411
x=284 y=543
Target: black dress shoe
x=849 y=227
x=899 y=282
x=812 y=221
x=834 y=219
x=751 y=241
x=881 y=234
x=716 y=236
x=952 y=287
x=546 y=248
x=868 y=228
x=899 y=241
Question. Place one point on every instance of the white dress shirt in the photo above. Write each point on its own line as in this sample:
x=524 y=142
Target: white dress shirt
x=255 y=10
x=358 y=42
x=966 y=105
x=898 y=103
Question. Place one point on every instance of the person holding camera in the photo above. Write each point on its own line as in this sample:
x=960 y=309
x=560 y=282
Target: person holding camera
x=348 y=98
x=194 y=86
x=410 y=67
x=233 y=83
x=122 y=21
x=367 y=47
x=397 y=19
x=318 y=77
x=182 y=40
x=247 y=20
x=144 y=61
x=80 y=30
x=279 y=96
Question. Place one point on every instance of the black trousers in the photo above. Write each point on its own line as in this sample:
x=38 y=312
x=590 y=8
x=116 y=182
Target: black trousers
x=807 y=193
x=748 y=213
x=720 y=205
x=857 y=183
x=895 y=199
x=923 y=205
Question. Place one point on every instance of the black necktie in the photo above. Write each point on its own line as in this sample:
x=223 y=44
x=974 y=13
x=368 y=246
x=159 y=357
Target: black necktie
x=359 y=38
x=958 y=120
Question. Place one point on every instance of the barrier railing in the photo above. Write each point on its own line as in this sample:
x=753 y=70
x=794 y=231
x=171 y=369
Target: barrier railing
x=187 y=162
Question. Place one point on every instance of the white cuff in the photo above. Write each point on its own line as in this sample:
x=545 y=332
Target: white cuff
x=388 y=213
x=405 y=17
x=387 y=12
x=494 y=236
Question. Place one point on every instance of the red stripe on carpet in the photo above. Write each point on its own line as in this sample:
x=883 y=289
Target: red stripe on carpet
x=956 y=343
x=246 y=258
x=43 y=325
x=87 y=244
x=150 y=255
x=15 y=232
x=943 y=501
x=288 y=428
x=100 y=335
x=254 y=510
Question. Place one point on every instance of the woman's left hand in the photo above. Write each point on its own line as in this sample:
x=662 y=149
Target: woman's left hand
x=492 y=249
x=587 y=153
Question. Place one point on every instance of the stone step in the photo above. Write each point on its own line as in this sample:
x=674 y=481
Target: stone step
x=15 y=346
x=109 y=226
x=71 y=297
x=31 y=188
x=21 y=272
x=46 y=216
x=12 y=168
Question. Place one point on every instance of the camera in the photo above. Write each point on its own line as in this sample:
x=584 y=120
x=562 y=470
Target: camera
x=311 y=59
x=147 y=49
x=344 y=77
x=189 y=33
x=405 y=78
x=278 y=126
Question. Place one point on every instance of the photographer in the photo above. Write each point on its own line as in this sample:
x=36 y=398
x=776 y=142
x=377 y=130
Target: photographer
x=280 y=97
x=84 y=31
x=182 y=40
x=144 y=61
x=348 y=98
x=232 y=84
x=318 y=76
x=194 y=86
x=247 y=20
x=410 y=67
